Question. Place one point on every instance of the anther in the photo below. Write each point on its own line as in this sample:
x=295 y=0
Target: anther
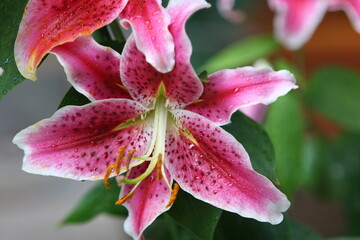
x=109 y=169
x=119 y=159
x=115 y=166
x=124 y=198
x=158 y=168
x=128 y=160
x=174 y=193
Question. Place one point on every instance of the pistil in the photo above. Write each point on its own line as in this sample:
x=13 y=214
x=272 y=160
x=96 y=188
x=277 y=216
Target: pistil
x=154 y=155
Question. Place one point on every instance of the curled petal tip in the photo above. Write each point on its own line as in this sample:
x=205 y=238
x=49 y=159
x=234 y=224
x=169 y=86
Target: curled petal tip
x=26 y=68
x=278 y=208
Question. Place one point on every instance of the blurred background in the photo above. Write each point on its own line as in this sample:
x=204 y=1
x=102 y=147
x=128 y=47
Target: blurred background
x=32 y=205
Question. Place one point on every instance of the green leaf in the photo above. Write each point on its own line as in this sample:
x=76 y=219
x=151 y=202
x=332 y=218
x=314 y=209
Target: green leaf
x=98 y=200
x=242 y=53
x=343 y=168
x=165 y=228
x=285 y=126
x=10 y=17
x=232 y=226
x=256 y=142
x=73 y=97
x=335 y=92
x=196 y=216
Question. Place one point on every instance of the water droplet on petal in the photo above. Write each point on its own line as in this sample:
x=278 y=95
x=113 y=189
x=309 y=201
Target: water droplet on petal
x=213 y=183
x=219 y=176
x=215 y=191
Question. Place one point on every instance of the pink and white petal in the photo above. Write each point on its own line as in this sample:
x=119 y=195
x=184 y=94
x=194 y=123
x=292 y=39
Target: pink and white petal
x=138 y=76
x=181 y=84
x=213 y=167
x=256 y=112
x=92 y=69
x=230 y=89
x=149 y=201
x=150 y=22
x=295 y=20
x=226 y=9
x=80 y=142
x=48 y=23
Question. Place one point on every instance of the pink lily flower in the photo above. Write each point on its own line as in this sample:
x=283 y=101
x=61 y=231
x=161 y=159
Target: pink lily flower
x=158 y=128
x=296 y=20
x=50 y=23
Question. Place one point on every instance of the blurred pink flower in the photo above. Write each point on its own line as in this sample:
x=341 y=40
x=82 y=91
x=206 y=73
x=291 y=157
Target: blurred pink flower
x=296 y=20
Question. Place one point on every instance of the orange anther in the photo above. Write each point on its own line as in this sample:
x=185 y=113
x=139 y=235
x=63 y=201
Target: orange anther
x=109 y=169
x=158 y=168
x=124 y=198
x=120 y=156
x=174 y=194
x=128 y=160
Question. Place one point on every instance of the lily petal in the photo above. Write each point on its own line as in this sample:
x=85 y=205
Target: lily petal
x=351 y=7
x=48 y=23
x=211 y=165
x=92 y=69
x=150 y=22
x=296 y=21
x=181 y=84
x=149 y=201
x=353 y=11
x=80 y=142
x=256 y=112
x=230 y=89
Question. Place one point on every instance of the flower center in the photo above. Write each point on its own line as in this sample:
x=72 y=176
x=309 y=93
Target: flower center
x=154 y=156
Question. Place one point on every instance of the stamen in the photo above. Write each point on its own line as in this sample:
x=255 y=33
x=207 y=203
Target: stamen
x=121 y=152
x=109 y=169
x=173 y=196
x=128 y=160
x=125 y=198
x=158 y=168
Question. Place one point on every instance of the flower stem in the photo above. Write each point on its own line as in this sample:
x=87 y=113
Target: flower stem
x=115 y=30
